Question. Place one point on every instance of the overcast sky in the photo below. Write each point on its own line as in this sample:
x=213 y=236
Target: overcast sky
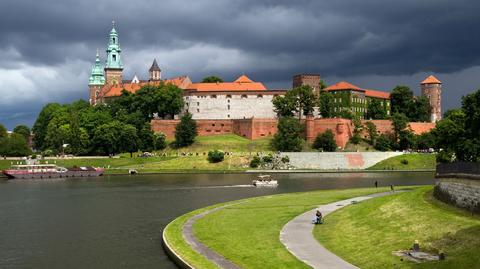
x=47 y=47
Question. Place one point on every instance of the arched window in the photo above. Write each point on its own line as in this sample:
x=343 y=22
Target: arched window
x=114 y=40
x=244 y=96
x=114 y=57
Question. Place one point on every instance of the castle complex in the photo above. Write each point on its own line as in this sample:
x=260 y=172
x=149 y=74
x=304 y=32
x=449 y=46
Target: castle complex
x=244 y=106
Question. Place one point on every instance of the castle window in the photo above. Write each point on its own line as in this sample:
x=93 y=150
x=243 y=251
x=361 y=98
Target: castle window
x=228 y=101
x=213 y=124
x=228 y=107
x=259 y=96
x=198 y=103
x=244 y=96
x=198 y=110
x=228 y=116
x=229 y=96
x=213 y=96
x=114 y=57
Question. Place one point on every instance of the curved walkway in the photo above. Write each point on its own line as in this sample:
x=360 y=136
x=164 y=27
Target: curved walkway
x=198 y=246
x=297 y=236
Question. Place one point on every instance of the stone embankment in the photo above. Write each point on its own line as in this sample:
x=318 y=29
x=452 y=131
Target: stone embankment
x=337 y=160
x=459 y=184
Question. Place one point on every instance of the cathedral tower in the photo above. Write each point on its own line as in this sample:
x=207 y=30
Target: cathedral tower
x=114 y=66
x=96 y=81
x=432 y=89
x=155 y=72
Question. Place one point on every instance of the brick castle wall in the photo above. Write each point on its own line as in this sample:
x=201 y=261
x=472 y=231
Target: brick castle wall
x=257 y=128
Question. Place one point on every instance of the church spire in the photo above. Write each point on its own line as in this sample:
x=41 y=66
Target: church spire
x=97 y=77
x=154 y=71
x=114 y=65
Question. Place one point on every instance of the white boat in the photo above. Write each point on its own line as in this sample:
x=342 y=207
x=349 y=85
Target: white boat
x=264 y=181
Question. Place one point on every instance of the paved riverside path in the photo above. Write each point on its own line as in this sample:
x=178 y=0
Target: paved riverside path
x=297 y=236
x=198 y=246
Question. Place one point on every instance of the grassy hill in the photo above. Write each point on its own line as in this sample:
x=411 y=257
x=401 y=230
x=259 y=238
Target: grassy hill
x=411 y=161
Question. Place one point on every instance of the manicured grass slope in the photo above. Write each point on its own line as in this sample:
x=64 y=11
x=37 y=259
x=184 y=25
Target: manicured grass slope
x=248 y=233
x=232 y=143
x=366 y=234
x=414 y=161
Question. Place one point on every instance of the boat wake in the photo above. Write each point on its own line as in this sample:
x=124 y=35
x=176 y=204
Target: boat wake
x=211 y=187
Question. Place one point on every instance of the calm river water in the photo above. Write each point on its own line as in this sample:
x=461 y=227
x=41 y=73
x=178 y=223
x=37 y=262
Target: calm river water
x=117 y=221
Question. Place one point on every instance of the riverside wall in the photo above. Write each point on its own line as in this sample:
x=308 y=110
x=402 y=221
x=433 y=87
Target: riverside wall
x=337 y=160
x=459 y=184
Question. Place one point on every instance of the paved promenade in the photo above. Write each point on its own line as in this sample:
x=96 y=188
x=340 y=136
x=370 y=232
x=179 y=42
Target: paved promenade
x=297 y=236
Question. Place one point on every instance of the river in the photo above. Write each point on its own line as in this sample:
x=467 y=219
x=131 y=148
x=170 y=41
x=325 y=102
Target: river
x=117 y=221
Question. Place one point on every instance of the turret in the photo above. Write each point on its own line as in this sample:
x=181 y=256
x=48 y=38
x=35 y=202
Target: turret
x=155 y=72
x=432 y=89
x=96 y=81
x=114 y=65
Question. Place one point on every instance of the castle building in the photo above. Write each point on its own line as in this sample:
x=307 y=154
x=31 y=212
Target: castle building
x=312 y=80
x=432 y=89
x=348 y=97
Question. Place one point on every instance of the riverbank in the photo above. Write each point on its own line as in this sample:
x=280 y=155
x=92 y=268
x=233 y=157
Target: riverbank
x=246 y=232
x=366 y=234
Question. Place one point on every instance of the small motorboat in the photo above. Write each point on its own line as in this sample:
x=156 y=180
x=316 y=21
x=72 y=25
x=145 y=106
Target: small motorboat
x=264 y=181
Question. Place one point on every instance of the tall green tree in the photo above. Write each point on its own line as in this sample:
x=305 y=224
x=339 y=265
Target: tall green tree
x=401 y=100
x=288 y=136
x=300 y=100
x=185 y=131
x=399 y=124
x=326 y=104
x=14 y=145
x=372 y=132
x=375 y=110
x=420 y=110
x=43 y=120
x=211 y=79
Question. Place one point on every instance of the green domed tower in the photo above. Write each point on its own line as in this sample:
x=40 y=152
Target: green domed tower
x=114 y=65
x=96 y=81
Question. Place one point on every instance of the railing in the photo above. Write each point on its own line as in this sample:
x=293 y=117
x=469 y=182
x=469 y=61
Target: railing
x=470 y=170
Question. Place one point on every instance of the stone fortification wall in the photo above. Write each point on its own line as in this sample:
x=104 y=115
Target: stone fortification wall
x=463 y=193
x=254 y=128
x=337 y=160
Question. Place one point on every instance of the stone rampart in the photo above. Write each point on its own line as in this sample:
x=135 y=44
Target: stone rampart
x=464 y=193
x=337 y=160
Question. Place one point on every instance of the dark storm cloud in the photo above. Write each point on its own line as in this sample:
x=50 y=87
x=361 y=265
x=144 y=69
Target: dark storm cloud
x=269 y=40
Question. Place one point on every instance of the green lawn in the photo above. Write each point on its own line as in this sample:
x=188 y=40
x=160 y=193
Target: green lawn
x=367 y=233
x=411 y=161
x=175 y=162
x=248 y=233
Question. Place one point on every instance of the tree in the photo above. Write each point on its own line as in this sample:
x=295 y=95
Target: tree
x=471 y=108
x=22 y=130
x=401 y=100
x=106 y=138
x=375 y=110
x=211 y=79
x=146 y=138
x=372 y=132
x=14 y=145
x=185 y=131
x=3 y=131
x=399 y=124
x=288 y=136
x=284 y=107
x=299 y=100
x=325 y=141
x=160 y=141
x=39 y=129
x=128 y=139
x=420 y=110
x=425 y=141
x=357 y=130
x=447 y=134
x=326 y=104
x=384 y=143
x=407 y=140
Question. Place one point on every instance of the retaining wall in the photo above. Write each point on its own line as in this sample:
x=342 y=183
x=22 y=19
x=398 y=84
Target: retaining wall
x=337 y=160
x=464 y=193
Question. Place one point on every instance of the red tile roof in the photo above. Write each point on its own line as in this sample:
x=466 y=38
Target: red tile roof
x=241 y=84
x=377 y=94
x=112 y=91
x=343 y=85
x=431 y=80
